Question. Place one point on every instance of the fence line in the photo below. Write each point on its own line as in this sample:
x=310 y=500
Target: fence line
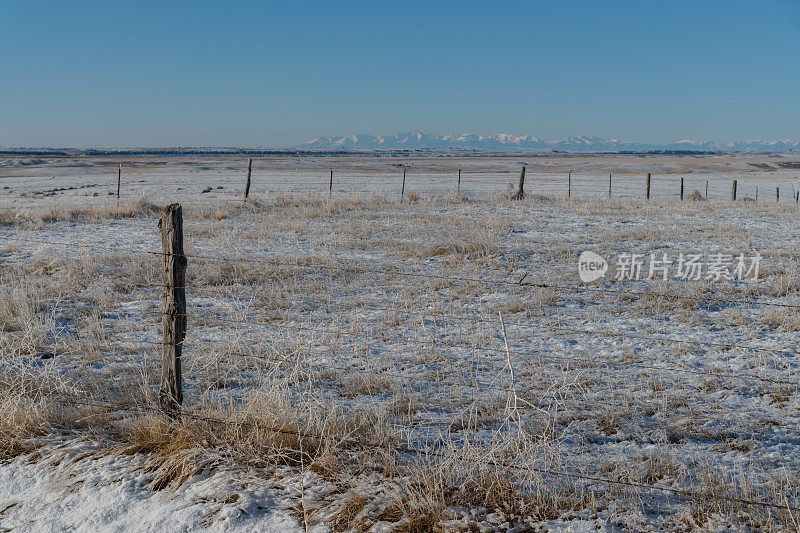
x=545 y=183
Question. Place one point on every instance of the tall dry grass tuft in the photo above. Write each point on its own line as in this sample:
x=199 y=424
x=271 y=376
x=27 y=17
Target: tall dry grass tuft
x=28 y=330
x=23 y=420
x=35 y=407
x=263 y=432
x=496 y=477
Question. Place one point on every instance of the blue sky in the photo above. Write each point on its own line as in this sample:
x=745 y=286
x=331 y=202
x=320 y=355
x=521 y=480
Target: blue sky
x=277 y=73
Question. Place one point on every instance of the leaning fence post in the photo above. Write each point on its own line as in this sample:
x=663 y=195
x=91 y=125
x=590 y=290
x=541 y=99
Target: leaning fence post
x=681 y=189
x=247 y=185
x=173 y=307
x=647 y=189
x=797 y=197
x=733 y=191
x=520 y=194
x=330 y=187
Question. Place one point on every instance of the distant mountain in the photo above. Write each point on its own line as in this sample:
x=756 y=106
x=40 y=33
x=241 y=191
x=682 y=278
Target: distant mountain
x=503 y=142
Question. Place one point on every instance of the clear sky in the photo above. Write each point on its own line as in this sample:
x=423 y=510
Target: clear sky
x=196 y=73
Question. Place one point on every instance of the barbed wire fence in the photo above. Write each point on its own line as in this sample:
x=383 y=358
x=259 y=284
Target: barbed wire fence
x=331 y=183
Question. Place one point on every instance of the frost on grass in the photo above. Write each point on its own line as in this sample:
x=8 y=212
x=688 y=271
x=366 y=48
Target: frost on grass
x=345 y=366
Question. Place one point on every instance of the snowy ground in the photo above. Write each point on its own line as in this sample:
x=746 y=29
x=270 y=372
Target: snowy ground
x=362 y=308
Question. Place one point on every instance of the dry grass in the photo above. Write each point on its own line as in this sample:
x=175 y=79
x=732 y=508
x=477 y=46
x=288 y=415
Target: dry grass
x=38 y=216
x=326 y=399
x=346 y=518
x=23 y=420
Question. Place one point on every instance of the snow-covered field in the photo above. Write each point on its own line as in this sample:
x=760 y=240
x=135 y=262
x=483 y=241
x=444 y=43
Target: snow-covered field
x=354 y=362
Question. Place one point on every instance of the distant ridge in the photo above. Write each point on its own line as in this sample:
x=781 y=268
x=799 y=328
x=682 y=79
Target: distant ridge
x=418 y=141
x=503 y=142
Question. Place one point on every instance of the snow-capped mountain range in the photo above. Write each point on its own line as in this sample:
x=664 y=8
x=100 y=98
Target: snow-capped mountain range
x=503 y=142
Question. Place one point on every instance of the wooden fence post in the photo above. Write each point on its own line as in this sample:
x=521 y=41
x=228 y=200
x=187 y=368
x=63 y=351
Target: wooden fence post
x=173 y=307
x=247 y=185
x=797 y=197
x=458 y=187
x=569 y=185
x=647 y=189
x=681 y=189
x=119 y=180
x=756 y=193
x=777 y=194
x=403 y=189
x=520 y=194
x=330 y=187
x=609 y=185
x=733 y=191
x=706 y=189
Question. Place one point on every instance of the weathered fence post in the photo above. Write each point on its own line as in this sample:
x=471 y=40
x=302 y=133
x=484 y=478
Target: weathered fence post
x=330 y=187
x=681 y=189
x=569 y=185
x=777 y=194
x=609 y=185
x=706 y=189
x=247 y=185
x=458 y=187
x=119 y=180
x=173 y=307
x=647 y=189
x=756 y=193
x=797 y=197
x=403 y=189
x=733 y=191
x=520 y=194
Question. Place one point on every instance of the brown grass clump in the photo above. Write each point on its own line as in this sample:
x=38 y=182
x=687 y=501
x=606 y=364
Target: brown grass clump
x=479 y=243
x=175 y=452
x=413 y=516
x=695 y=196
x=347 y=517
x=22 y=421
x=262 y=432
x=25 y=329
x=25 y=419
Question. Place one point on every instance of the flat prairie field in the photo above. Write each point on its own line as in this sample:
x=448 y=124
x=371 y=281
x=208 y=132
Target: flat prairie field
x=368 y=352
